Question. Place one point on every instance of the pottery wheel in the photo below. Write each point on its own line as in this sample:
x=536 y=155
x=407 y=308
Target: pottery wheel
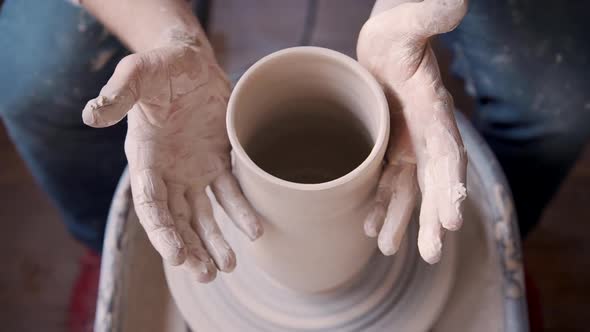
x=400 y=292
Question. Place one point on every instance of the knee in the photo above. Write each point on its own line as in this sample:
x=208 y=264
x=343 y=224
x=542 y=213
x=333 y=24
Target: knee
x=50 y=68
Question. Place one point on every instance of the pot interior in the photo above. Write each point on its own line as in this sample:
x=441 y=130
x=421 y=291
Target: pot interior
x=309 y=140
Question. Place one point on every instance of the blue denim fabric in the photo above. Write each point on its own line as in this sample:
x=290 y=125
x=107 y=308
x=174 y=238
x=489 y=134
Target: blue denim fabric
x=50 y=57
x=527 y=63
x=54 y=57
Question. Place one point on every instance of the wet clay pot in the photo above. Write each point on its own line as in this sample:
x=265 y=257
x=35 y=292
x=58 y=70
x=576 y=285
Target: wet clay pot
x=309 y=129
x=478 y=285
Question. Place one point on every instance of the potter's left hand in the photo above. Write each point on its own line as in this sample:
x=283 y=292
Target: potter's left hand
x=175 y=98
x=425 y=149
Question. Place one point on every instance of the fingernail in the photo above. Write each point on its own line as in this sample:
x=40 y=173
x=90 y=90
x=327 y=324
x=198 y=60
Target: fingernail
x=453 y=225
x=374 y=220
x=370 y=229
x=255 y=230
x=90 y=113
x=431 y=252
x=206 y=273
x=202 y=272
x=386 y=247
x=430 y=246
x=225 y=256
x=88 y=117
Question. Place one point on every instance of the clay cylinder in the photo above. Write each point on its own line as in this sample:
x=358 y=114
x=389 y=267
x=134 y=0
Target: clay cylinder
x=309 y=128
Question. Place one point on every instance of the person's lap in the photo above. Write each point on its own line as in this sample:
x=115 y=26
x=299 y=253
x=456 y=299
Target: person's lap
x=54 y=58
x=527 y=75
x=526 y=63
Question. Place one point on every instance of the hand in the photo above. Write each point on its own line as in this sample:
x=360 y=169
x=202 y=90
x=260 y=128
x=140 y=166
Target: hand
x=176 y=146
x=425 y=147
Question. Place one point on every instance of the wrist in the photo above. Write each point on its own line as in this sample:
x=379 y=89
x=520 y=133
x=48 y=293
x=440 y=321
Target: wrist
x=193 y=38
x=143 y=25
x=182 y=35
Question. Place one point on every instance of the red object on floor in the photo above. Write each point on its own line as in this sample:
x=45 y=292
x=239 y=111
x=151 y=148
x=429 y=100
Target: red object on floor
x=534 y=304
x=84 y=294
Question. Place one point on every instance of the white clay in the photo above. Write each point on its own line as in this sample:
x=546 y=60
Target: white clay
x=313 y=239
x=394 y=46
x=175 y=99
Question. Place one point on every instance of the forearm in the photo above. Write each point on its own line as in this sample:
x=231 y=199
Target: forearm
x=146 y=24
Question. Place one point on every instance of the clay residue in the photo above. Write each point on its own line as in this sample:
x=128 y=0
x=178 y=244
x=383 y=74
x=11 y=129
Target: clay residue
x=506 y=239
x=101 y=59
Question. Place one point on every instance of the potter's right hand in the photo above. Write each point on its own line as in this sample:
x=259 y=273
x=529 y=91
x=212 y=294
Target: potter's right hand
x=425 y=149
x=175 y=98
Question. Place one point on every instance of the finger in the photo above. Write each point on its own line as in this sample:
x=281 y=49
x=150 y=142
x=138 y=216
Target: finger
x=448 y=162
x=210 y=234
x=376 y=216
x=430 y=233
x=401 y=206
x=151 y=205
x=229 y=195
x=198 y=262
x=117 y=97
x=399 y=152
x=452 y=192
x=426 y=18
x=433 y=17
x=177 y=202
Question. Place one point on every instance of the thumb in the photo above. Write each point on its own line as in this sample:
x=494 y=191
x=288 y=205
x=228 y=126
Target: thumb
x=434 y=17
x=419 y=20
x=117 y=97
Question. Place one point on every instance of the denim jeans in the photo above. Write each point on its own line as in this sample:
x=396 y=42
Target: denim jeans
x=526 y=62
x=54 y=57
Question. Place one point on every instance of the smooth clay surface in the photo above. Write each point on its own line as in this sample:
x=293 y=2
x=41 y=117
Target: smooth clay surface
x=309 y=128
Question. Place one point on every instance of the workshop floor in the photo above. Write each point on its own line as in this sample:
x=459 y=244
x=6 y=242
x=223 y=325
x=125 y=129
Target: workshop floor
x=39 y=259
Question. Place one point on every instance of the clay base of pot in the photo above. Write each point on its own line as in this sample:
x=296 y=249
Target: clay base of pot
x=484 y=277
x=389 y=291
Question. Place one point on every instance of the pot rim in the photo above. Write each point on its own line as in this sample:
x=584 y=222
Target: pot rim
x=382 y=132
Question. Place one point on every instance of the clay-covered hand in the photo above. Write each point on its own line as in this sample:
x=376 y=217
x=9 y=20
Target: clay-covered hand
x=175 y=99
x=425 y=149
